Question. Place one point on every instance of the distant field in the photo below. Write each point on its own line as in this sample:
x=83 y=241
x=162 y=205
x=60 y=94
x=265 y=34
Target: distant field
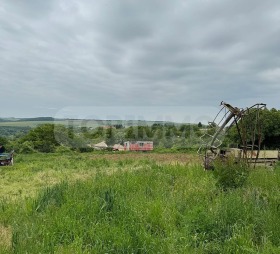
x=75 y=123
x=32 y=124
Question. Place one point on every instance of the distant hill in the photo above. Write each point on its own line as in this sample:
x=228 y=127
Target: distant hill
x=31 y=119
x=32 y=122
x=10 y=119
x=45 y=119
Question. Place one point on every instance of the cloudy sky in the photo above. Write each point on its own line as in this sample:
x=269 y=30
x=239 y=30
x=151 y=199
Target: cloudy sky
x=95 y=56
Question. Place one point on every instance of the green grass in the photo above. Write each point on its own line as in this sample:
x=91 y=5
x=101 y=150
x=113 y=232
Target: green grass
x=137 y=206
x=32 y=172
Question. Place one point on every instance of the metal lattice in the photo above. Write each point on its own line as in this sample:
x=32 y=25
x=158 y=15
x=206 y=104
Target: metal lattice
x=248 y=124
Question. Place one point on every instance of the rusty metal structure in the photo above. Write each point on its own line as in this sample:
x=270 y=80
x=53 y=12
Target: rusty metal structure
x=249 y=127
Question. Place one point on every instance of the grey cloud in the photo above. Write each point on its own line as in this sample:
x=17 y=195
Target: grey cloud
x=150 y=52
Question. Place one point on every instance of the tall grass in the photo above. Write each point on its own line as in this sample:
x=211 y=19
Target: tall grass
x=157 y=209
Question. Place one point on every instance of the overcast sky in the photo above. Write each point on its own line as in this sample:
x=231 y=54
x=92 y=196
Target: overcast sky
x=58 y=55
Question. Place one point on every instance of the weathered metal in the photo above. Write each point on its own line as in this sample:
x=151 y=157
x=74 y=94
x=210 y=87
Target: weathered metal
x=248 y=125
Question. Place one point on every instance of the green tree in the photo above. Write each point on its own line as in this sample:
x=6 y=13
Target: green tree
x=110 y=136
x=46 y=137
x=268 y=131
x=3 y=141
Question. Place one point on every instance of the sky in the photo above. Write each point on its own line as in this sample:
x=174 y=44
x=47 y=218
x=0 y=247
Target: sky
x=146 y=59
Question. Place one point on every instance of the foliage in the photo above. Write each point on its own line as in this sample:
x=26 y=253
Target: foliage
x=47 y=137
x=27 y=147
x=63 y=149
x=176 y=137
x=167 y=135
x=13 y=131
x=3 y=141
x=181 y=136
x=271 y=128
x=229 y=173
x=269 y=132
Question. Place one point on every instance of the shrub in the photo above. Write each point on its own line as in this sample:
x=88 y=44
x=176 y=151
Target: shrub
x=26 y=147
x=63 y=149
x=230 y=174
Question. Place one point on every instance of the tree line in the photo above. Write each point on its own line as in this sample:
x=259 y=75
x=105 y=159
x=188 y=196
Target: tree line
x=267 y=131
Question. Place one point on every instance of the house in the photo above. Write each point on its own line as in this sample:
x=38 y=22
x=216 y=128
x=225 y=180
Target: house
x=138 y=145
x=100 y=146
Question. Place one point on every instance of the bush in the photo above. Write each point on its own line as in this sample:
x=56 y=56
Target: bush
x=230 y=174
x=47 y=138
x=26 y=147
x=85 y=149
x=63 y=149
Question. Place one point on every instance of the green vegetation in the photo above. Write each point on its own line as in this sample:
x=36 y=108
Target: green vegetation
x=51 y=137
x=229 y=174
x=134 y=205
x=269 y=130
x=78 y=133
x=56 y=199
x=13 y=131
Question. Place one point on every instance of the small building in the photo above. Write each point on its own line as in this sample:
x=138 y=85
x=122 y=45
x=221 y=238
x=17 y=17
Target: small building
x=138 y=145
x=118 y=147
x=100 y=146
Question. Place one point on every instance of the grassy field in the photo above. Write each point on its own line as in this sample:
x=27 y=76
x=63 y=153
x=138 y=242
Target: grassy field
x=33 y=124
x=134 y=203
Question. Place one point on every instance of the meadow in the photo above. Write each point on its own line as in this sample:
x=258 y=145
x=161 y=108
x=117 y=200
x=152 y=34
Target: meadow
x=33 y=124
x=134 y=203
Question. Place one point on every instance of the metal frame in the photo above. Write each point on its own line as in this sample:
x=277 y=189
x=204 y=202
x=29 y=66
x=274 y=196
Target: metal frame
x=247 y=122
